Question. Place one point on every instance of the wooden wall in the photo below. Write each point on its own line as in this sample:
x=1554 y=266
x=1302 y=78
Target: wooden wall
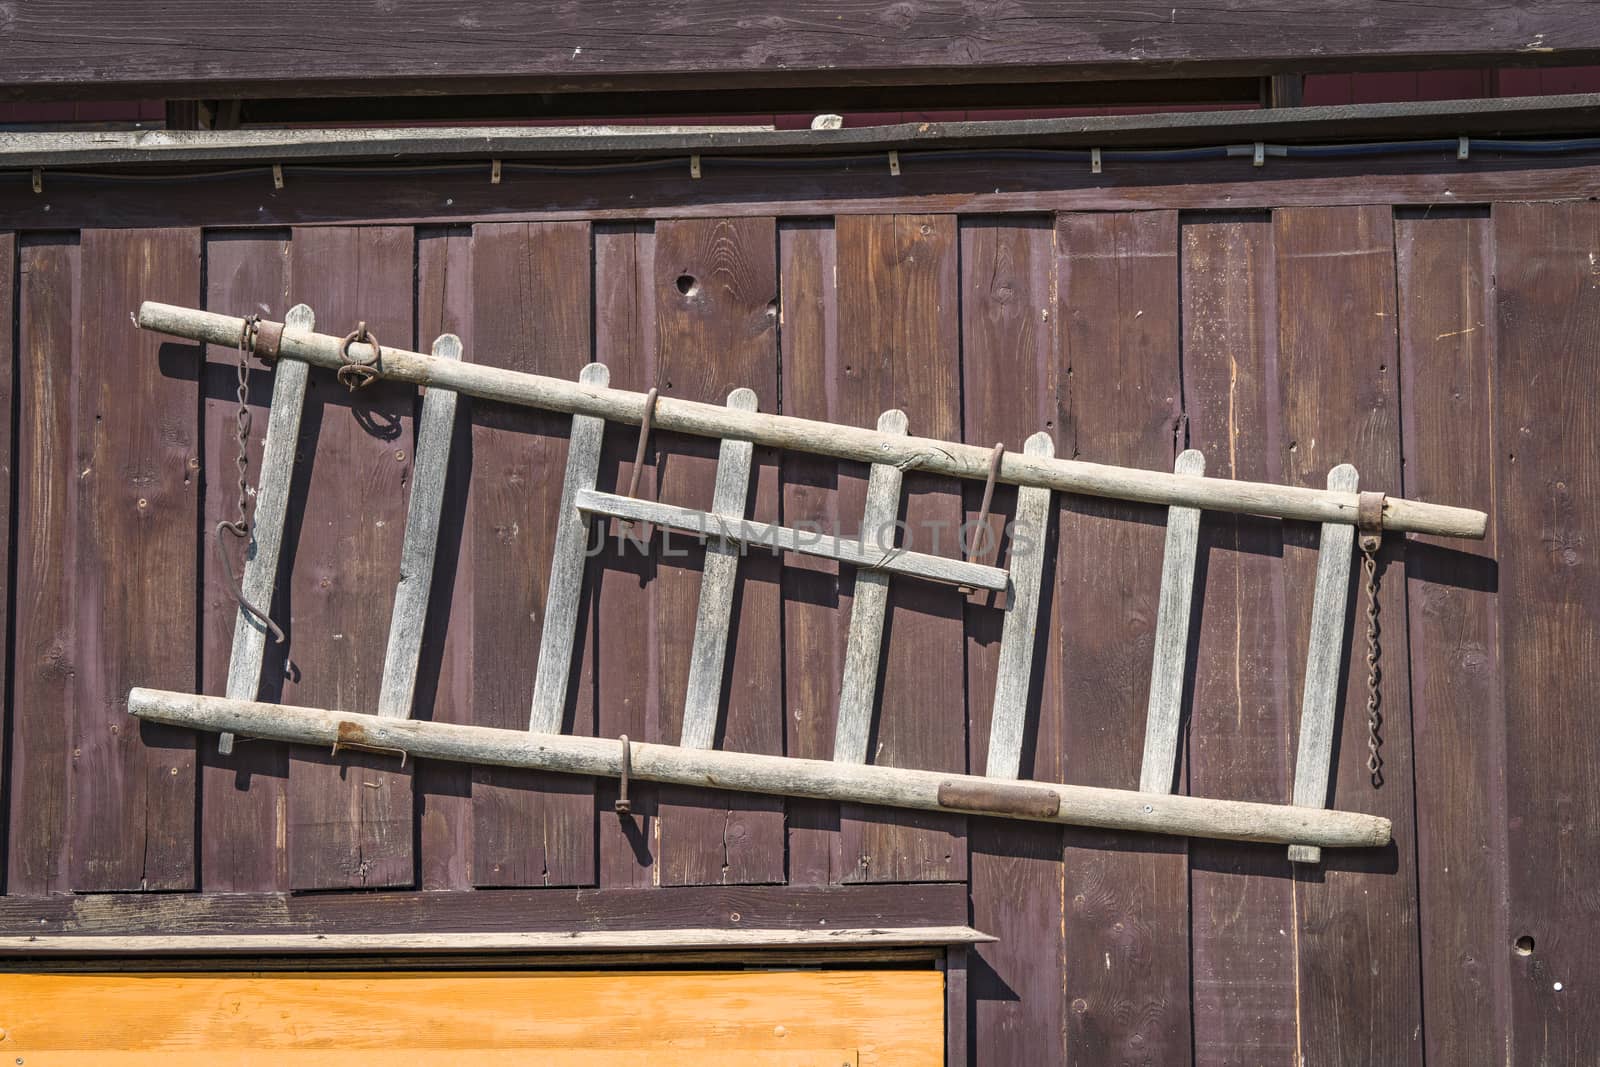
x=1448 y=352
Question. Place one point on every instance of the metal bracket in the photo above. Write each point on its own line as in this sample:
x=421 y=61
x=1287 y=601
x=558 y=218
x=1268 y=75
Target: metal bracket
x=351 y=738
x=1369 y=520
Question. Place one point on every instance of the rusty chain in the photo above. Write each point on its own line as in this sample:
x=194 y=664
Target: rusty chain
x=358 y=373
x=240 y=527
x=1369 y=566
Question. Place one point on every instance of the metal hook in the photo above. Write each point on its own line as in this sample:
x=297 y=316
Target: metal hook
x=638 y=456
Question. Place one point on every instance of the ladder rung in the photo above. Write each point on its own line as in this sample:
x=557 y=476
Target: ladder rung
x=260 y=576
x=1019 y=632
x=858 y=688
x=421 y=543
x=1324 y=658
x=1165 y=708
x=783 y=538
x=714 y=617
x=559 y=630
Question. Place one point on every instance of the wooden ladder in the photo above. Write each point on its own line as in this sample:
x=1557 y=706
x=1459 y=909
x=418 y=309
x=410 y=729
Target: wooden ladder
x=1306 y=825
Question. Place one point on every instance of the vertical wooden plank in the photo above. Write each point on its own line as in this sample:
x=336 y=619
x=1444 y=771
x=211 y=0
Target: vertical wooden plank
x=137 y=451
x=1242 y=918
x=8 y=312
x=622 y=575
x=1337 y=348
x=716 y=330
x=1447 y=348
x=1011 y=389
x=532 y=312
x=1127 y=974
x=44 y=643
x=899 y=344
x=858 y=691
x=244 y=799
x=815 y=613
x=1169 y=665
x=424 y=513
x=350 y=813
x=1548 y=315
x=1325 y=656
x=444 y=685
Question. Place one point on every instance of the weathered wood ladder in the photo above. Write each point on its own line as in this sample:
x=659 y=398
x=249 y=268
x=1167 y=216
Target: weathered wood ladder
x=1305 y=825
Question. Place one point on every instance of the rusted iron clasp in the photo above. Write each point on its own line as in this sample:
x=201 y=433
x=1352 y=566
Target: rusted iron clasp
x=353 y=738
x=624 y=806
x=358 y=373
x=1369 y=520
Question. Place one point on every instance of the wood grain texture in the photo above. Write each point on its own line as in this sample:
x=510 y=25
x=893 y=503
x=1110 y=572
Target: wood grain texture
x=1127 y=970
x=1241 y=901
x=1337 y=344
x=1445 y=265
x=505 y=911
x=1547 y=313
x=899 y=347
x=133 y=790
x=1011 y=386
x=623 y=573
x=816 y=602
x=44 y=642
x=243 y=796
x=895 y=1017
x=532 y=312
x=349 y=815
x=76 y=47
x=716 y=318
x=444 y=688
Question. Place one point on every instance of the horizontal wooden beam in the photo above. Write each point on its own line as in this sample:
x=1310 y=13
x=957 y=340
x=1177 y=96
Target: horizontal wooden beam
x=1112 y=809
x=827 y=439
x=862 y=553
x=503 y=911
x=630 y=941
x=1519 y=116
x=63 y=49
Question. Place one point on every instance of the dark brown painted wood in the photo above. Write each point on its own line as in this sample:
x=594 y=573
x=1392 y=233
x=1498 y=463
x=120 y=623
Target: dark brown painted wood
x=445 y=304
x=8 y=410
x=350 y=814
x=132 y=788
x=44 y=645
x=899 y=347
x=816 y=602
x=1127 y=966
x=622 y=575
x=1445 y=264
x=699 y=907
x=1241 y=898
x=716 y=302
x=1011 y=388
x=244 y=811
x=531 y=313
x=1337 y=357
x=81 y=48
x=1547 y=314
x=960 y=185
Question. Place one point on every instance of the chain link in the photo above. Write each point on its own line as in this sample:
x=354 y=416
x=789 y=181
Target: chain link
x=240 y=527
x=1369 y=565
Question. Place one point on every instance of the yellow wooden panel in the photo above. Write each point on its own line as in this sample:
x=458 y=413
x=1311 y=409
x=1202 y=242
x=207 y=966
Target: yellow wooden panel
x=879 y=1018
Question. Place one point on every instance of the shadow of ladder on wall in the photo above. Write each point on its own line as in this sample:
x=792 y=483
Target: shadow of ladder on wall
x=729 y=534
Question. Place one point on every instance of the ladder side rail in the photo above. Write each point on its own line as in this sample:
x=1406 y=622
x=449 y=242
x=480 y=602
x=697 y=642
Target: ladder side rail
x=397 y=691
x=1164 y=711
x=858 y=686
x=1320 y=702
x=260 y=577
x=563 y=594
x=1019 y=631
x=714 y=617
